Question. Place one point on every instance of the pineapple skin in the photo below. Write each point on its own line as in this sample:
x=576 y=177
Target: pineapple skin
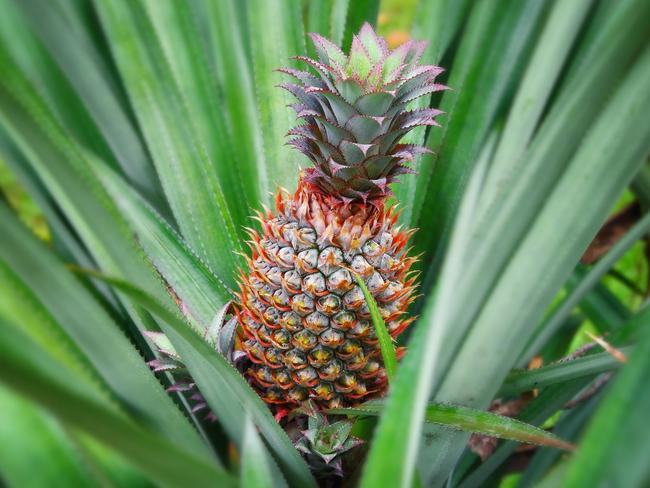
x=305 y=325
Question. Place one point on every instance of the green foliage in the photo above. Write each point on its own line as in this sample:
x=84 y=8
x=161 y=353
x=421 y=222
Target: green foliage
x=146 y=133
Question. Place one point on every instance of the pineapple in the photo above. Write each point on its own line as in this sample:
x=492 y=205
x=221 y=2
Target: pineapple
x=305 y=325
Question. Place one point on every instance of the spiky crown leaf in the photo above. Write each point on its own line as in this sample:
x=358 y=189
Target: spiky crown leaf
x=354 y=113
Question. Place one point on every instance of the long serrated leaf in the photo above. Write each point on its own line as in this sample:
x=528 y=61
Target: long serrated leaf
x=437 y=22
x=85 y=69
x=595 y=274
x=359 y=11
x=486 y=65
x=541 y=259
x=227 y=36
x=385 y=340
x=394 y=438
x=58 y=160
x=519 y=381
x=278 y=36
x=201 y=292
x=553 y=47
x=226 y=391
x=152 y=453
x=538 y=411
x=473 y=420
x=178 y=149
x=111 y=353
x=28 y=437
x=255 y=469
x=570 y=424
x=615 y=449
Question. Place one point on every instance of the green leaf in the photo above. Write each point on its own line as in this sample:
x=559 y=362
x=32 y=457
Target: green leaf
x=228 y=394
x=521 y=257
x=227 y=36
x=152 y=453
x=569 y=426
x=436 y=21
x=559 y=372
x=89 y=75
x=537 y=412
x=31 y=438
x=545 y=66
x=487 y=63
x=278 y=35
x=59 y=163
x=398 y=433
x=358 y=12
x=548 y=327
x=618 y=423
x=255 y=469
x=180 y=154
x=385 y=340
x=112 y=355
x=472 y=420
x=202 y=293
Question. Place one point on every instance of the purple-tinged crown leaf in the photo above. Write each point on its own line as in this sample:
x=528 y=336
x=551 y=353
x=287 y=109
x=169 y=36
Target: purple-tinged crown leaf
x=353 y=112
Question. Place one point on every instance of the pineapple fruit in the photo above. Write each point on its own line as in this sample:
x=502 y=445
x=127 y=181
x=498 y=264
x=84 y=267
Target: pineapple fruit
x=305 y=325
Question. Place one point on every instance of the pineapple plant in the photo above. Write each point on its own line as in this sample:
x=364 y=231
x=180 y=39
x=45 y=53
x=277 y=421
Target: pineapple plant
x=141 y=343
x=306 y=325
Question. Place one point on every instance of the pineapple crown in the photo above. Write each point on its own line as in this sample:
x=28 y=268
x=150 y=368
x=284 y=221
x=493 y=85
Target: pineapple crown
x=353 y=113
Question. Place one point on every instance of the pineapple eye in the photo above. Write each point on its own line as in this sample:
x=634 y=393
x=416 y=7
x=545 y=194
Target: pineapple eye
x=340 y=280
x=316 y=322
x=289 y=231
x=344 y=320
x=271 y=316
x=346 y=382
x=263 y=374
x=330 y=259
x=323 y=391
x=281 y=339
x=283 y=378
x=319 y=356
x=291 y=281
x=356 y=362
x=274 y=395
x=274 y=275
x=280 y=298
x=371 y=369
x=361 y=266
x=386 y=240
x=354 y=298
x=331 y=338
x=371 y=248
x=297 y=394
x=304 y=340
x=286 y=256
x=255 y=351
x=291 y=321
x=376 y=283
x=272 y=357
x=349 y=349
x=314 y=284
x=335 y=402
x=328 y=304
x=361 y=329
x=306 y=376
x=295 y=359
x=307 y=260
x=306 y=236
x=331 y=370
x=302 y=304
